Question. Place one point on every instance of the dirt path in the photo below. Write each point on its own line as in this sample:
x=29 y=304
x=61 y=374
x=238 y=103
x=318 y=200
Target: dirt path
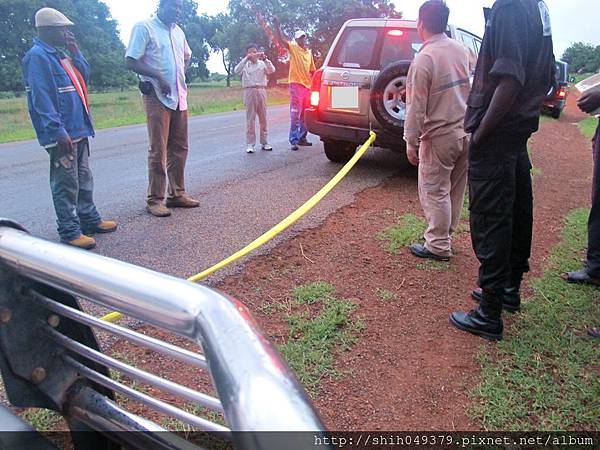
x=409 y=370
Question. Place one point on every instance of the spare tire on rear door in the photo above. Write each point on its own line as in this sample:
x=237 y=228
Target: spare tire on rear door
x=388 y=97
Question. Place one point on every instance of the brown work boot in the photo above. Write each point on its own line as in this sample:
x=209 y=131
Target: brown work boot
x=106 y=226
x=182 y=202
x=83 y=241
x=158 y=210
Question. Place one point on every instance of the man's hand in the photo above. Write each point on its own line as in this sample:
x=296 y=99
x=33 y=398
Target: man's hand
x=65 y=146
x=165 y=87
x=589 y=102
x=71 y=42
x=412 y=154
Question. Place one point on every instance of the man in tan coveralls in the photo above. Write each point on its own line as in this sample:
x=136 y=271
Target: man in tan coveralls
x=437 y=90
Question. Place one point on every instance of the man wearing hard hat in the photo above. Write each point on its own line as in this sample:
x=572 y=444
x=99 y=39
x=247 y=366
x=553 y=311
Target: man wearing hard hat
x=60 y=113
x=302 y=68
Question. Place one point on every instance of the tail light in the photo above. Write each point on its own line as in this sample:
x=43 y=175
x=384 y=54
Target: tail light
x=316 y=88
x=561 y=93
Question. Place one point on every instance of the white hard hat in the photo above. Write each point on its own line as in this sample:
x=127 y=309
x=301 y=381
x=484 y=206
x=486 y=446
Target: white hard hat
x=299 y=34
x=50 y=17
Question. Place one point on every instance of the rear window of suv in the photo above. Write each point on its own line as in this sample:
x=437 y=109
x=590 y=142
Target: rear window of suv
x=375 y=48
x=399 y=45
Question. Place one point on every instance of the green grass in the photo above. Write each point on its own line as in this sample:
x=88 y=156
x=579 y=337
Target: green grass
x=385 y=295
x=314 y=340
x=536 y=172
x=410 y=229
x=544 y=375
x=581 y=77
x=115 y=109
x=433 y=266
x=42 y=419
x=311 y=293
x=465 y=213
x=588 y=126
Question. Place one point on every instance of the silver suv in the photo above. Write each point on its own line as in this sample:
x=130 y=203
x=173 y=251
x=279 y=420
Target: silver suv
x=361 y=83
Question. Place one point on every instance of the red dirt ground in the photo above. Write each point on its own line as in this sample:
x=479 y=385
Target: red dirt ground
x=409 y=370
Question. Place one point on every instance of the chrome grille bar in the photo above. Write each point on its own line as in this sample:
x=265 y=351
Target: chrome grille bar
x=256 y=387
x=137 y=374
x=157 y=405
x=165 y=348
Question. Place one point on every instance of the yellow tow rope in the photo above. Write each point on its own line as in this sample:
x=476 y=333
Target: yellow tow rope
x=281 y=226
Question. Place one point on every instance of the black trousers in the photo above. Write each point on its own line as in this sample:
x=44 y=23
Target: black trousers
x=593 y=253
x=501 y=205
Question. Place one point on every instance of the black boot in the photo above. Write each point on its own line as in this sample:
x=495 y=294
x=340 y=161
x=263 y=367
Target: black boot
x=485 y=320
x=511 y=300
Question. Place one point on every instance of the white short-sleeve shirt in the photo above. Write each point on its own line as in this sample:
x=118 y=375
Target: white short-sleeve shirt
x=166 y=50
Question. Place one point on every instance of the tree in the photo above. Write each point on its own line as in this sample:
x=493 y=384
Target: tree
x=94 y=29
x=198 y=30
x=582 y=57
x=230 y=38
x=321 y=19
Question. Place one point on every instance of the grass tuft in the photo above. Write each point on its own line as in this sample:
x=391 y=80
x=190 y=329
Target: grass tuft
x=433 y=266
x=42 y=419
x=544 y=375
x=311 y=293
x=410 y=229
x=386 y=295
x=314 y=340
x=588 y=127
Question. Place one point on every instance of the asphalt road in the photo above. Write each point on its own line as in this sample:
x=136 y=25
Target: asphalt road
x=241 y=195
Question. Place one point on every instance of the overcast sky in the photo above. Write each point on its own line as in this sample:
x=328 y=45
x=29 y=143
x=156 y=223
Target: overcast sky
x=572 y=20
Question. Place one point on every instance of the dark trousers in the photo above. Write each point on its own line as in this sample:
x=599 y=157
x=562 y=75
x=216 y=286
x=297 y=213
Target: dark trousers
x=501 y=205
x=593 y=253
x=72 y=188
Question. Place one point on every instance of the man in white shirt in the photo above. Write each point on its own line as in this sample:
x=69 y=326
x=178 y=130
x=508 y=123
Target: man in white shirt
x=254 y=69
x=159 y=53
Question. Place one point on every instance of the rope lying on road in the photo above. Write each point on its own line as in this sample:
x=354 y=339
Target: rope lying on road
x=281 y=226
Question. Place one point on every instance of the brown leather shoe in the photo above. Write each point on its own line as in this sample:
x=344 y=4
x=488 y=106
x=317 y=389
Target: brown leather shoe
x=83 y=241
x=182 y=202
x=106 y=226
x=158 y=210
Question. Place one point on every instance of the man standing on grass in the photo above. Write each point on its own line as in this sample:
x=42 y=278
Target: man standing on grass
x=255 y=69
x=437 y=89
x=60 y=113
x=159 y=53
x=514 y=73
x=302 y=67
x=590 y=274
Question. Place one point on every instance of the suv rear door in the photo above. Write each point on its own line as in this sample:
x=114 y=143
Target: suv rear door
x=351 y=65
x=359 y=55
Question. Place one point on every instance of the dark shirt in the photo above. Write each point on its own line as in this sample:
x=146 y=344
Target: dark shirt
x=518 y=44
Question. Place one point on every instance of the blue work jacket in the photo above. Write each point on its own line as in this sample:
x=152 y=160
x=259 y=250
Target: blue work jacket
x=55 y=106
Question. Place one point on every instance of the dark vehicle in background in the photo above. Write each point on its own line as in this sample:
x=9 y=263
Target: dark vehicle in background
x=361 y=85
x=557 y=97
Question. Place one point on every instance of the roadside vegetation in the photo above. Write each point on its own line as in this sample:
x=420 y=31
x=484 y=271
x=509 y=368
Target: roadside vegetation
x=588 y=126
x=544 y=374
x=408 y=230
x=115 y=109
x=320 y=326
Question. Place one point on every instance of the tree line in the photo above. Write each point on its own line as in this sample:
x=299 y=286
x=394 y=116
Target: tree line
x=582 y=58
x=227 y=33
